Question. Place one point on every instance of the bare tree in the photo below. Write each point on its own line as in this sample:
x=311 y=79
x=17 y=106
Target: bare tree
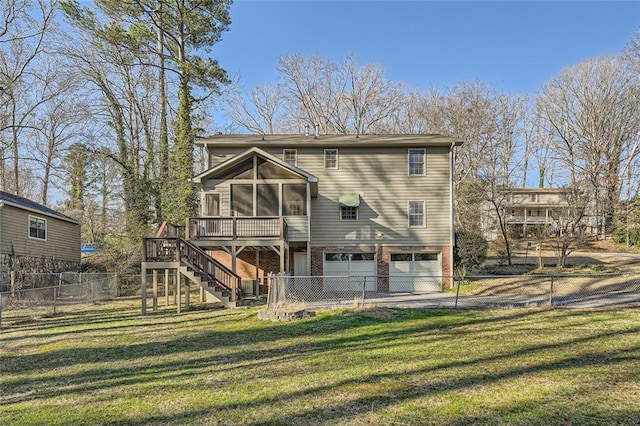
x=259 y=114
x=24 y=25
x=369 y=98
x=313 y=86
x=593 y=115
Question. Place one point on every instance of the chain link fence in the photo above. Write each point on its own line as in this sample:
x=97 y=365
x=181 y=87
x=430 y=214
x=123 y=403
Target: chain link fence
x=21 y=303
x=480 y=291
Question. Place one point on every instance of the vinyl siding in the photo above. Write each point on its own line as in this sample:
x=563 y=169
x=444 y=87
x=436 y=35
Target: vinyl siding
x=63 y=238
x=380 y=176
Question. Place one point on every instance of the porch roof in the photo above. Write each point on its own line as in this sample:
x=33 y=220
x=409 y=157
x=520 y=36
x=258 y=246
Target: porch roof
x=234 y=161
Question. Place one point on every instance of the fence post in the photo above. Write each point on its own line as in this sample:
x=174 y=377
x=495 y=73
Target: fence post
x=551 y=292
x=364 y=286
x=54 y=299
x=0 y=310
x=269 y=289
x=457 y=290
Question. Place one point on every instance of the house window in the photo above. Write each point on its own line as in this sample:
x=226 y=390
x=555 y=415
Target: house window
x=294 y=199
x=290 y=156
x=348 y=213
x=416 y=162
x=37 y=228
x=211 y=204
x=415 y=213
x=330 y=159
x=533 y=198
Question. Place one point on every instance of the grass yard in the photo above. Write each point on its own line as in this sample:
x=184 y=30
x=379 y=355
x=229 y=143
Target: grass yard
x=109 y=365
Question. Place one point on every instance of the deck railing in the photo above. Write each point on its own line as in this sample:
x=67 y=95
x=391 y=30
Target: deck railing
x=530 y=219
x=237 y=228
x=184 y=252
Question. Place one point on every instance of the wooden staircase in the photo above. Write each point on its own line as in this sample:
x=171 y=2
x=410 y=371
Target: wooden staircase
x=171 y=250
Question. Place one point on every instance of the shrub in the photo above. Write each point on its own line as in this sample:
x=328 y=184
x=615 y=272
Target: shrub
x=470 y=251
x=620 y=236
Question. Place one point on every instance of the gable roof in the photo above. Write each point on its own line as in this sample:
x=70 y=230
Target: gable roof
x=32 y=206
x=235 y=160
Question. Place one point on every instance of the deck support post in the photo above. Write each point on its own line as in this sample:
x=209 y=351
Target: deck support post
x=187 y=295
x=282 y=259
x=143 y=284
x=256 y=284
x=166 y=287
x=179 y=291
x=155 y=290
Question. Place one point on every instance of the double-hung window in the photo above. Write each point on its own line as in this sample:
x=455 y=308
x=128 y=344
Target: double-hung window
x=290 y=156
x=416 y=159
x=330 y=159
x=416 y=214
x=37 y=228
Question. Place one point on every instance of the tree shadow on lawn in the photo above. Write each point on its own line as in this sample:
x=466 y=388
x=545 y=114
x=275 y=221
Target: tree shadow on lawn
x=21 y=389
x=320 y=328
x=45 y=326
x=258 y=332
x=354 y=410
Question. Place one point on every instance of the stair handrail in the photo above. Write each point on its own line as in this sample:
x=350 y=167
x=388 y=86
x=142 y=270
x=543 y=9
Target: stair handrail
x=206 y=263
x=168 y=229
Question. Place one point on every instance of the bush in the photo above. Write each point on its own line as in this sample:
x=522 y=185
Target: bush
x=620 y=236
x=470 y=251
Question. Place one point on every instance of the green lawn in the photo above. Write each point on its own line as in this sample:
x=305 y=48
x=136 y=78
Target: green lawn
x=109 y=365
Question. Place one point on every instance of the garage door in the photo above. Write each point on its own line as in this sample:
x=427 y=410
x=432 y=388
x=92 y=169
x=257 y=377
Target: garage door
x=415 y=272
x=349 y=271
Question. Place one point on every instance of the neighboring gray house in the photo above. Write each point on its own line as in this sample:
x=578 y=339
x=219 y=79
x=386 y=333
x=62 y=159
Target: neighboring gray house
x=368 y=205
x=35 y=238
x=529 y=212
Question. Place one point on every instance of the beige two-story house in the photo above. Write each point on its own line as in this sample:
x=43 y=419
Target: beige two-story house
x=375 y=206
x=331 y=205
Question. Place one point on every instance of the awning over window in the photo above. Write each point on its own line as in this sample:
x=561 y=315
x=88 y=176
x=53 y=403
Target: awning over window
x=349 y=200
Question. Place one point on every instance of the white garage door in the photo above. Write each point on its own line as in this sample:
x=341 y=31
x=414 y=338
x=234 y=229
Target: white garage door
x=415 y=272
x=349 y=271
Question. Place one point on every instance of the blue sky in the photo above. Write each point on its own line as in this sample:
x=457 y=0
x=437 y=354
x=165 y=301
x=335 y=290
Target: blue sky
x=511 y=45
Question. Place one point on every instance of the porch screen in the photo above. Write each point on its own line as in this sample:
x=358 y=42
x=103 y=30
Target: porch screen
x=242 y=200
x=294 y=199
x=268 y=199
